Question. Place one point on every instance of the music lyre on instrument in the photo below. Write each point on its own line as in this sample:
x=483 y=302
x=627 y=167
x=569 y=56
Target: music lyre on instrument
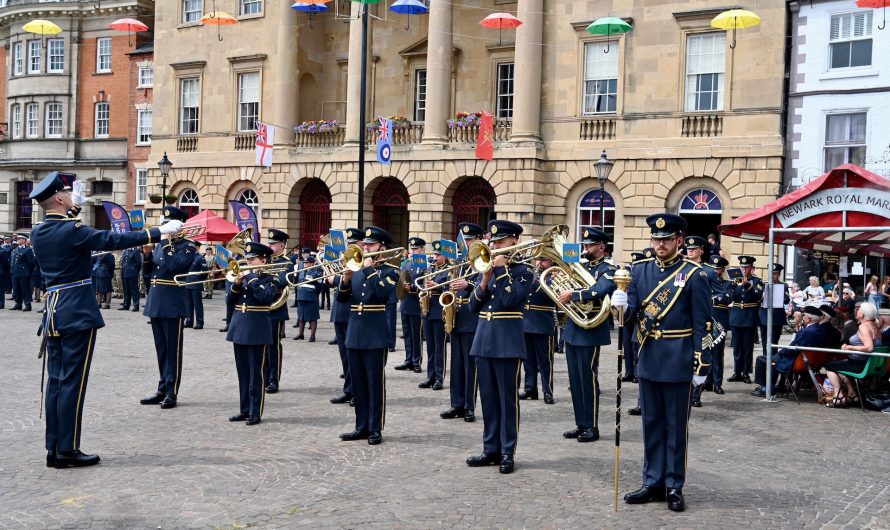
x=622 y=279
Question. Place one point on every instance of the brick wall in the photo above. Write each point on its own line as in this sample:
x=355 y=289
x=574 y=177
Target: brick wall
x=137 y=155
x=110 y=87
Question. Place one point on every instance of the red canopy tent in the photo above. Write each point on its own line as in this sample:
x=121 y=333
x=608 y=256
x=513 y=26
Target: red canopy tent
x=218 y=229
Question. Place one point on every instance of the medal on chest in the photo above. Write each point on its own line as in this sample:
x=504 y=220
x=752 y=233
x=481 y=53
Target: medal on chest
x=680 y=280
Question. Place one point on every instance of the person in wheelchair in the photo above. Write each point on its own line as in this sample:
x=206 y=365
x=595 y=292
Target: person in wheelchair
x=811 y=334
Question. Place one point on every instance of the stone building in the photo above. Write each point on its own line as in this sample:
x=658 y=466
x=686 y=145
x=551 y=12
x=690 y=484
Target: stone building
x=692 y=122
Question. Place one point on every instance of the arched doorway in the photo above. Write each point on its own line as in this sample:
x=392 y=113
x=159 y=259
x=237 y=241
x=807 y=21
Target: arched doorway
x=315 y=213
x=473 y=202
x=390 y=204
x=703 y=212
x=189 y=202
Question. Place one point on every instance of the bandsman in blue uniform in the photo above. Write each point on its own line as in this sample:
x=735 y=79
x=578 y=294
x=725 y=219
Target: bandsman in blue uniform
x=433 y=325
x=299 y=263
x=721 y=298
x=779 y=317
x=583 y=345
x=37 y=286
x=251 y=329
x=166 y=307
x=194 y=294
x=277 y=241
x=671 y=301
x=631 y=344
x=367 y=291
x=307 y=297
x=340 y=312
x=131 y=268
x=499 y=347
x=410 y=309
x=104 y=272
x=464 y=384
x=695 y=251
x=540 y=329
x=744 y=317
x=22 y=262
x=5 y=276
x=62 y=245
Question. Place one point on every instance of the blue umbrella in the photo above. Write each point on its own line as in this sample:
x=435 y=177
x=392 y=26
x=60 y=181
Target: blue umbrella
x=309 y=8
x=409 y=7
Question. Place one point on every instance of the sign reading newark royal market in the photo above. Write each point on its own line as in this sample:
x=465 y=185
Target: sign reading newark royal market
x=871 y=201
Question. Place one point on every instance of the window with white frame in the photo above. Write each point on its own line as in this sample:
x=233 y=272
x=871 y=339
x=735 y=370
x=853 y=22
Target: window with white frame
x=32 y=120
x=600 y=78
x=102 y=111
x=420 y=94
x=850 y=41
x=250 y=198
x=53 y=127
x=505 y=90
x=33 y=56
x=141 y=185
x=251 y=7
x=589 y=212
x=16 y=114
x=18 y=58
x=146 y=76
x=248 y=100
x=705 y=68
x=103 y=55
x=55 y=63
x=191 y=11
x=143 y=126
x=845 y=139
x=189 y=105
x=190 y=202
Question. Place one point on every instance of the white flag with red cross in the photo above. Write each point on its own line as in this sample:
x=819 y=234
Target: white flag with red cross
x=265 y=139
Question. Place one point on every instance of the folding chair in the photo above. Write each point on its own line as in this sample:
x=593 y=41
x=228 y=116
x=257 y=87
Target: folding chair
x=874 y=367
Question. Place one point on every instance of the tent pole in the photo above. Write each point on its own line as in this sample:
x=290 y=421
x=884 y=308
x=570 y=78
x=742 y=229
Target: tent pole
x=769 y=310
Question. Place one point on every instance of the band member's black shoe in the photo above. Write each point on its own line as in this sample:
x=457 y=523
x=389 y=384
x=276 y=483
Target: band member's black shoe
x=332 y=342
x=28 y=308
x=548 y=399
x=528 y=395
x=470 y=417
x=238 y=417
x=169 y=402
x=426 y=383
x=417 y=369
x=485 y=459
x=135 y=309
x=572 y=434
x=354 y=435
x=299 y=337
x=375 y=438
x=453 y=412
x=345 y=398
x=153 y=400
x=127 y=308
x=311 y=339
x=74 y=459
x=734 y=378
x=437 y=385
x=676 y=503
x=696 y=402
x=635 y=411
x=50 y=459
x=199 y=326
x=589 y=435
x=253 y=420
x=507 y=464
x=403 y=366
x=746 y=379
x=719 y=390
x=627 y=379
x=645 y=494
x=187 y=324
x=272 y=388
x=224 y=329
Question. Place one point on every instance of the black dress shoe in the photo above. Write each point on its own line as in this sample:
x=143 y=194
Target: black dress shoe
x=528 y=395
x=187 y=324
x=676 y=503
x=403 y=366
x=199 y=326
x=342 y=376
x=50 y=459
x=28 y=308
x=426 y=383
x=15 y=308
x=507 y=464
x=375 y=438
x=311 y=339
x=332 y=342
x=589 y=435
x=470 y=417
x=719 y=390
x=453 y=412
x=169 y=402
x=746 y=379
x=153 y=400
x=696 y=402
x=644 y=495
x=548 y=399
x=299 y=337
x=238 y=417
x=417 y=369
x=572 y=434
x=76 y=458
x=224 y=329
x=354 y=435
x=758 y=392
x=253 y=420
x=635 y=411
x=485 y=459
x=437 y=385
x=734 y=378
x=345 y=398
x=135 y=309
x=272 y=388
x=627 y=379
x=123 y=308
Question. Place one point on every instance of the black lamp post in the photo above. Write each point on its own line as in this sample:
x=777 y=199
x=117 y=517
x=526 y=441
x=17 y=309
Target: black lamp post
x=603 y=167
x=164 y=165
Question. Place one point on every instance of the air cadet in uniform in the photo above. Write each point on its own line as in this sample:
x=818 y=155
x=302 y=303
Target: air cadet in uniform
x=307 y=297
x=744 y=318
x=22 y=261
x=251 y=329
x=583 y=345
x=540 y=328
x=779 y=317
x=433 y=325
x=166 y=308
x=277 y=241
x=410 y=309
x=104 y=272
x=131 y=268
x=721 y=297
x=499 y=347
x=62 y=244
x=671 y=299
x=194 y=299
x=340 y=312
x=367 y=291
x=463 y=386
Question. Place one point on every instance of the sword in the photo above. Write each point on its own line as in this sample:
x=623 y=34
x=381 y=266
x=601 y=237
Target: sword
x=622 y=278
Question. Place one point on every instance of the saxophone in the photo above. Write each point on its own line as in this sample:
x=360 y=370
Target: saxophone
x=424 y=297
x=449 y=302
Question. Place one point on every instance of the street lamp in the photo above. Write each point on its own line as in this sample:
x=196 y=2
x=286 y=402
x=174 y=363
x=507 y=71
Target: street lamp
x=164 y=165
x=603 y=167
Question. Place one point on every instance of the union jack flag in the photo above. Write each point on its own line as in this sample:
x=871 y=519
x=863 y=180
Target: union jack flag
x=383 y=130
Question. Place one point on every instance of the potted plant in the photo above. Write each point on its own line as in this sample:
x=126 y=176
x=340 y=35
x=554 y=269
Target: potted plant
x=463 y=120
x=317 y=127
x=155 y=198
x=170 y=199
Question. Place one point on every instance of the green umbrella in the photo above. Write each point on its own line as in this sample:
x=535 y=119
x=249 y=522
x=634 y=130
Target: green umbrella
x=608 y=26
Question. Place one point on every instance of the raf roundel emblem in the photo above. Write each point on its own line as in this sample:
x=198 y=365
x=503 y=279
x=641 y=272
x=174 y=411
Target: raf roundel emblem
x=368 y=232
x=659 y=223
x=494 y=229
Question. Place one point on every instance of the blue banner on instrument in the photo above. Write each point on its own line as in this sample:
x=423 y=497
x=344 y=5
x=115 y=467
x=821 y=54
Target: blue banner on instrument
x=449 y=249
x=222 y=256
x=462 y=244
x=117 y=216
x=330 y=253
x=338 y=241
x=734 y=274
x=571 y=252
x=419 y=261
x=137 y=219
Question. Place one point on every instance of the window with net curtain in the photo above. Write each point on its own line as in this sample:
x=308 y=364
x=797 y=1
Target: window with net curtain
x=705 y=68
x=845 y=139
x=248 y=100
x=600 y=78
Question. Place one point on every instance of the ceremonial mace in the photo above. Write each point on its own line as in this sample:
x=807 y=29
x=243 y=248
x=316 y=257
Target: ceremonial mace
x=622 y=279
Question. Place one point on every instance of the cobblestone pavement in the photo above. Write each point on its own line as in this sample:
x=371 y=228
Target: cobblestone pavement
x=751 y=464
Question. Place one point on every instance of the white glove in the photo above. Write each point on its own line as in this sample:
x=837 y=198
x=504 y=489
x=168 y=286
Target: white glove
x=171 y=227
x=78 y=193
x=699 y=380
x=619 y=299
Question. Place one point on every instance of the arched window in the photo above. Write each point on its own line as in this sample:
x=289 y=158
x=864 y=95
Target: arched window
x=473 y=202
x=189 y=202
x=589 y=212
x=703 y=211
x=315 y=213
x=250 y=198
x=390 y=203
x=701 y=200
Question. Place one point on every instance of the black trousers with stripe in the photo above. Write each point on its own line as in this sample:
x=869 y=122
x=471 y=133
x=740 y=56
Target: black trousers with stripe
x=168 y=345
x=68 y=369
x=463 y=372
x=340 y=332
x=498 y=386
x=665 y=436
x=131 y=292
x=249 y=362
x=434 y=333
x=583 y=364
x=538 y=360
x=368 y=388
x=743 y=348
x=274 y=355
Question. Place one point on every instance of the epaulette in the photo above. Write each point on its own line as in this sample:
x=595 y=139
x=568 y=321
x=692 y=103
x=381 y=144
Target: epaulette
x=644 y=260
x=697 y=266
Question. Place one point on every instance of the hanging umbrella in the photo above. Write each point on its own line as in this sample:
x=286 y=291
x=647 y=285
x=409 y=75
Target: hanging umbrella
x=735 y=19
x=42 y=27
x=608 y=26
x=875 y=4
x=314 y=2
x=409 y=7
x=219 y=18
x=130 y=25
x=306 y=7
x=500 y=21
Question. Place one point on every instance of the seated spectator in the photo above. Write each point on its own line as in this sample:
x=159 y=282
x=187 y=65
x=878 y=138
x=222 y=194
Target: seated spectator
x=833 y=338
x=797 y=303
x=810 y=335
x=847 y=306
x=815 y=293
x=885 y=326
x=866 y=338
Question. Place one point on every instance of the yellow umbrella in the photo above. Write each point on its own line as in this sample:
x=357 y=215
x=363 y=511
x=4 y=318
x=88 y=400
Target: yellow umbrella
x=219 y=18
x=42 y=27
x=734 y=19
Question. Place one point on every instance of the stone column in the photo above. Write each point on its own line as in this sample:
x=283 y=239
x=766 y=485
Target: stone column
x=527 y=72
x=438 y=74
x=354 y=76
x=287 y=72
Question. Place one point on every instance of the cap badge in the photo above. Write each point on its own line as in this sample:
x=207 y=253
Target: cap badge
x=744 y=261
x=690 y=241
x=586 y=233
x=466 y=229
x=494 y=229
x=166 y=212
x=368 y=232
x=659 y=223
x=248 y=248
x=648 y=253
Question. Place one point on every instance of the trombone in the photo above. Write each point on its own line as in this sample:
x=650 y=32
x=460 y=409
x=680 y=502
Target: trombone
x=479 y=256
x=233 y=269
x=330 y=268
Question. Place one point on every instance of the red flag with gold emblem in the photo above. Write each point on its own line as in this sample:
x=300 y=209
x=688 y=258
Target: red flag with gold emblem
x=485 y=142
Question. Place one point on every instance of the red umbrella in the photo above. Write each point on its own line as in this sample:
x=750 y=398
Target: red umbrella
x=130 y=25
x=875 y=4
x=500 y=21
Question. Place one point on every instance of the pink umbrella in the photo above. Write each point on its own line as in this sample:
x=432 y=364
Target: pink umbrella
x=130 y=25
x=500 y=21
